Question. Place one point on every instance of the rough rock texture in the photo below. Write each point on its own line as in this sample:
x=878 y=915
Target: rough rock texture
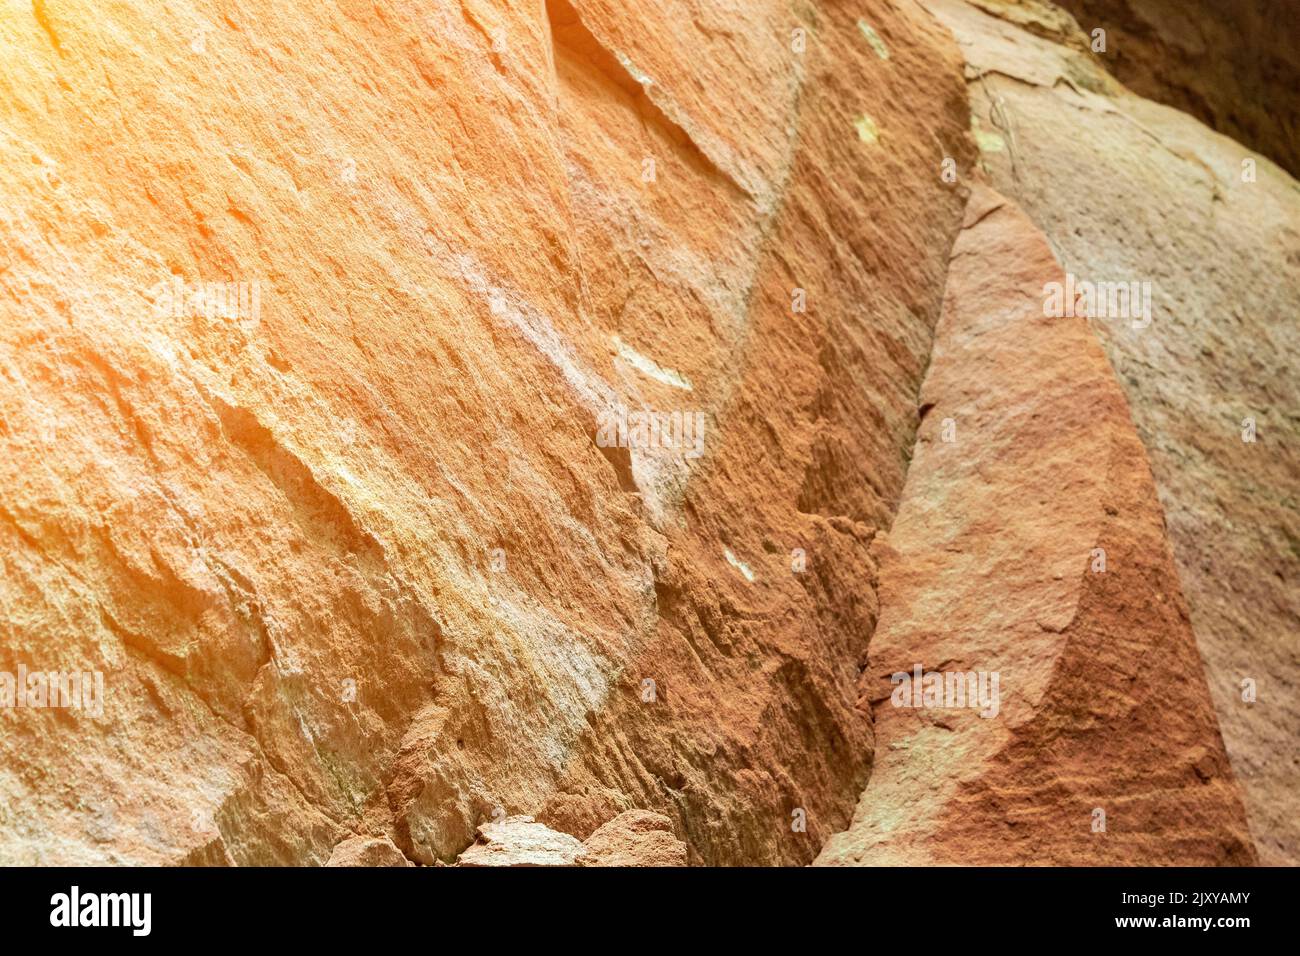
x=633 y=838
x=367 y=851
x=521 y=841
x=353 y=561
x=1233 y=64
x=345 y=539
x=1093 y=660
x=1156 y=197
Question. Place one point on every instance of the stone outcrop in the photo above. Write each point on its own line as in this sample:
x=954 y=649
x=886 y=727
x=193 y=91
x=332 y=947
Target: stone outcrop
x=1213 y=230
x=633 y=838
x=348 y=552
x=367 y=851
x=521 y=841
x=1064 y=748
x=330 y=344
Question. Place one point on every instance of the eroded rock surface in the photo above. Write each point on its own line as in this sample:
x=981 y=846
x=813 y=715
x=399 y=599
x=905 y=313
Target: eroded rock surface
x=521 y=841
x=1233 y=64
x=633 y=838
x=350 y=558
x=1009 y=559
x=367 y=851
x=312 y=325
x=1213 y=230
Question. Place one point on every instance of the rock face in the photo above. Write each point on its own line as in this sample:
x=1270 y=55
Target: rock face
x=453 y=430
x=635 y=838
x=1159 y=199
x=367 y=851
x=521 y=841
x=345 y=547
x=1060 y=750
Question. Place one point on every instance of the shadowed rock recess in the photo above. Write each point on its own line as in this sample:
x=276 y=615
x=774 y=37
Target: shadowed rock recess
x=330 y=340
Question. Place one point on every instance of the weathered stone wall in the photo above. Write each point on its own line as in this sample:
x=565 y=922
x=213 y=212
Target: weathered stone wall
x=316 y=327
x=350 y=557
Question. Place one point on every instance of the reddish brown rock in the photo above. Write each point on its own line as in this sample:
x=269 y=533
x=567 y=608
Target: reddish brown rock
x=1233 y=64
x=1213 y=231
x=1029 y=550
x=351 y=560
x=312 y=324
x=635 y=838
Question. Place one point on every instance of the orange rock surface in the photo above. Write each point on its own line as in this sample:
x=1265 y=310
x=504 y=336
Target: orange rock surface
x=331 y=339
x=351 y=560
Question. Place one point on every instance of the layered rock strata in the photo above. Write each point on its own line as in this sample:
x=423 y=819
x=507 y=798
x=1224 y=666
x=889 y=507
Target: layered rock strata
x=471 y=432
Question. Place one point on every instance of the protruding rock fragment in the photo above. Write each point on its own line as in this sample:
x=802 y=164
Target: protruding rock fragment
x=522 y=841
x=635 y=838
x=1210 y=233
x=1037 y=692
x=367 y=851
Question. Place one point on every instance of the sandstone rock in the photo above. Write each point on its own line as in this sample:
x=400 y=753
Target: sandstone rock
x=312 y=325
x=635 y=838
x=352 y=560
x=1075 y=755
x=521 y=841
x=1158 y=198
x=367 y=851
x=1233 y=64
